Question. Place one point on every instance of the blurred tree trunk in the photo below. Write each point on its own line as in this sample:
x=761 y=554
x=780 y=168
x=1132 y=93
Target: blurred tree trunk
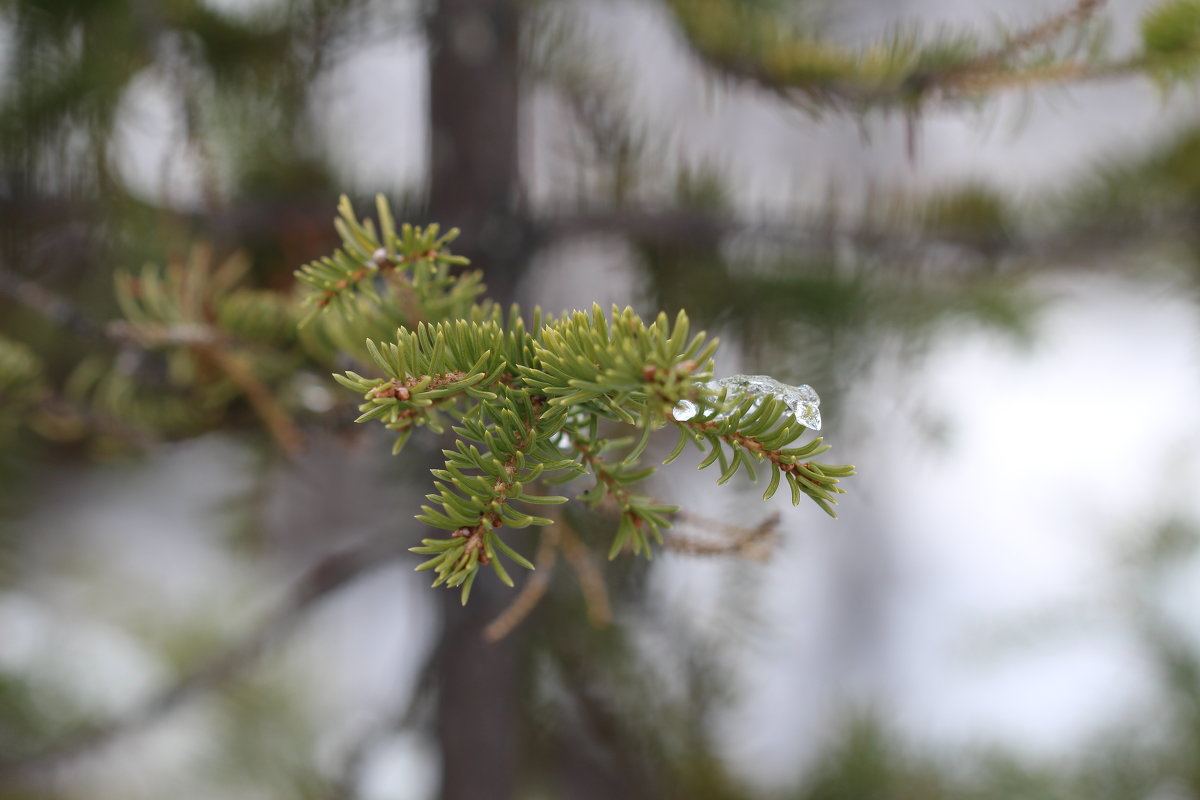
x=475 y=177
x=475 y=185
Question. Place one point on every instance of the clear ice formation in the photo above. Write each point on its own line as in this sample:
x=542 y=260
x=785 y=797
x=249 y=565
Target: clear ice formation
x=800 y=400
x=685 y=410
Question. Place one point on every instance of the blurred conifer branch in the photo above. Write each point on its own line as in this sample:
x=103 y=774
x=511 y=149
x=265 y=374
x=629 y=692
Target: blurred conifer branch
x=908 y=69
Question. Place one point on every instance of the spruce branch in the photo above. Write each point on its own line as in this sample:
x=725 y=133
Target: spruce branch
x=476 y=490
x=642 y=516
x=408 y=267
x=759 y=429
x=526 y=403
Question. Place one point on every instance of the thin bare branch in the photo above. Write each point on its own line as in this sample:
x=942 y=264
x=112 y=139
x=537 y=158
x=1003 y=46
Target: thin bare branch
x=324 y=577
x=531 y=592
x=279 y=423
x=54 y=307
x=591 y=581
x=1043 y=33
x=751 y=543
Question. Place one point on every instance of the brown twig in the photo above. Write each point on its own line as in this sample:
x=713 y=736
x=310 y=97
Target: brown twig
x=1039 y=34
x=531 y=592
x=278 y=421
x=591 y=581
x=1066 y=72
x=752 y=543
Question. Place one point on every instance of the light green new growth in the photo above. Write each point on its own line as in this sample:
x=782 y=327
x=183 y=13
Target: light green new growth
x=533 y=404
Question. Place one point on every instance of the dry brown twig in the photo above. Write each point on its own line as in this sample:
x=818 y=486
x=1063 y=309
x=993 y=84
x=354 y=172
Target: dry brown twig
x=1042 y=33
x=751 y=543
x=279 y=423
x=591 y=582
x=531 y=592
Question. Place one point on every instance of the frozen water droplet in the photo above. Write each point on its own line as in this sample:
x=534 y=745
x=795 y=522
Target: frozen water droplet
x=685 y=410
x=802 y=401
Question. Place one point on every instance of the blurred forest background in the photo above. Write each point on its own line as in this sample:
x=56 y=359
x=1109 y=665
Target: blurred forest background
x=981 y=252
